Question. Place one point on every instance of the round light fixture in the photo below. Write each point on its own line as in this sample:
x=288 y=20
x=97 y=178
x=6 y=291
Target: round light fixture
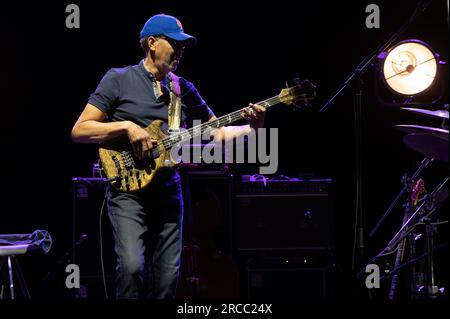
x=410 y=67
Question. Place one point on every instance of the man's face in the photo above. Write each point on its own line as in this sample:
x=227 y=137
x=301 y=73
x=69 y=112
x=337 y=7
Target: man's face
x=168 y=53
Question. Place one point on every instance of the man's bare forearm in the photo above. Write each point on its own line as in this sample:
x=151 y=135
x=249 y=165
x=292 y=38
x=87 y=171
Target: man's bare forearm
x=92 y=131
x=96 y=132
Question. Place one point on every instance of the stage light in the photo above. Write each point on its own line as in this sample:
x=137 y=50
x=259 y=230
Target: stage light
x=410 y=67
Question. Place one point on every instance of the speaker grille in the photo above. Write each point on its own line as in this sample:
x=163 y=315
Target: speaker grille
x=283 y=216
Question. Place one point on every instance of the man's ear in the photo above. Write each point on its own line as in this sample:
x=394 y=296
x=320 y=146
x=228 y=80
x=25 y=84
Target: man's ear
x=151 y=43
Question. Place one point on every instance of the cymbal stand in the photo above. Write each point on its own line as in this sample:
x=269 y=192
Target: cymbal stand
x=407 y=185
x=401 y=246
x=419 y=210
x=407 y=181
x=427 y=207
x=431 y=290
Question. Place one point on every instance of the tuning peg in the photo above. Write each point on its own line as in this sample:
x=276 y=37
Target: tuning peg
x=301 y=82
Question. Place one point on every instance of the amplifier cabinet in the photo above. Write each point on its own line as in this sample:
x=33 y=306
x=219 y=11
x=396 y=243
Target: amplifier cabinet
x=299 y=277
x=283 y=215
x=88 y=201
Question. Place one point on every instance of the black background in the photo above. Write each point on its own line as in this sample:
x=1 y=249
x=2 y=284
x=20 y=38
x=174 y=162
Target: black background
x=245 y=53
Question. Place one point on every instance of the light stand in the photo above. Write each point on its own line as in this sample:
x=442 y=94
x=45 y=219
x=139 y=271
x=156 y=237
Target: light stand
x=355 y=81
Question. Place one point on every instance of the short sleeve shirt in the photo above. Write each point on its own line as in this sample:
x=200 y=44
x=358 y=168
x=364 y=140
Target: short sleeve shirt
x=128 y=94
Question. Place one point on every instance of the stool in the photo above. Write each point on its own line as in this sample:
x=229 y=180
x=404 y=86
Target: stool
x=8 y=255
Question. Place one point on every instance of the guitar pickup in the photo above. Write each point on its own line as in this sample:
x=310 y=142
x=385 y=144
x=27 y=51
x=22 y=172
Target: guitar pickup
x=117 y=163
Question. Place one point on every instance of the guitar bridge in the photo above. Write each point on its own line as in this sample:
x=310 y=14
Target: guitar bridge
x=128 y=160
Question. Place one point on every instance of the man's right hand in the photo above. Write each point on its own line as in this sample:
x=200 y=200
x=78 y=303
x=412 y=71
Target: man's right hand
x=140 y=140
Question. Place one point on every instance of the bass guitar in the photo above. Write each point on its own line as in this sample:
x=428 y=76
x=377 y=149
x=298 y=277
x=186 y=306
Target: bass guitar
x=129 y=174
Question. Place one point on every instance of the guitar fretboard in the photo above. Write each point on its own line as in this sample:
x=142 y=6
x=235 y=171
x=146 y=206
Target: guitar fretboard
x=184 y=136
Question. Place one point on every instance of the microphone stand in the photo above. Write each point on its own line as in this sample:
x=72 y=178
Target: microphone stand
x=355 y=81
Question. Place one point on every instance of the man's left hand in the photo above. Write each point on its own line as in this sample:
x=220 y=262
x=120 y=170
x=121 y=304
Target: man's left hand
x=255 y=114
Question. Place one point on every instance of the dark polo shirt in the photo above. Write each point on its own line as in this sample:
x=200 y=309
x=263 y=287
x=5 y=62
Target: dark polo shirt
x=129 y=94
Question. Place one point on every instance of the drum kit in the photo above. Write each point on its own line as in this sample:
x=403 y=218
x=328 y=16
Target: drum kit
x=429 y=141
x=414 y=244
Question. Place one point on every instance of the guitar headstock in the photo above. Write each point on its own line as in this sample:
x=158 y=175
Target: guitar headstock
x=417 y=190
x=302 y=91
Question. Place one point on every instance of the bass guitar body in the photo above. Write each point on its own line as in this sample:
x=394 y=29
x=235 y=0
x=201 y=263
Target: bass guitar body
x=125 y=171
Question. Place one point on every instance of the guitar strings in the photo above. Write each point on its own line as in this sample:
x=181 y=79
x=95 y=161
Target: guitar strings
x=200 y=129
x=168 y=141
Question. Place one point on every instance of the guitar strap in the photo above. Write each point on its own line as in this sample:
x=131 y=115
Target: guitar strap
x=174 y=109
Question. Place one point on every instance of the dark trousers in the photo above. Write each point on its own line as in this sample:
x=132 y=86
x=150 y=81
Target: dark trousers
x=147 y=229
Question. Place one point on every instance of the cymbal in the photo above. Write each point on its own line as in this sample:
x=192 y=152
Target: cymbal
x=439 y=113
x=423 y=130
x=430 y=145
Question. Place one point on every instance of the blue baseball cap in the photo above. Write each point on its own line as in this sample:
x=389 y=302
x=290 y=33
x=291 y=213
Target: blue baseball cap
x=162 y=24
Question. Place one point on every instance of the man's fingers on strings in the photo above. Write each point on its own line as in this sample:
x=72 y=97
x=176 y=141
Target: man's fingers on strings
x=137 y=149
x=248 y=114
x=150 y=145
x=258 y=108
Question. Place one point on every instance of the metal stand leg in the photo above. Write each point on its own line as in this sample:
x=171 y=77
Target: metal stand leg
x=12 y=262
x=432 y=290
x=398 y=260
x=20 y=278
x=11 y=280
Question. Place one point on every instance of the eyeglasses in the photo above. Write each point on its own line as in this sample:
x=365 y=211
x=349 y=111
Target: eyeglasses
x=177 y=45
